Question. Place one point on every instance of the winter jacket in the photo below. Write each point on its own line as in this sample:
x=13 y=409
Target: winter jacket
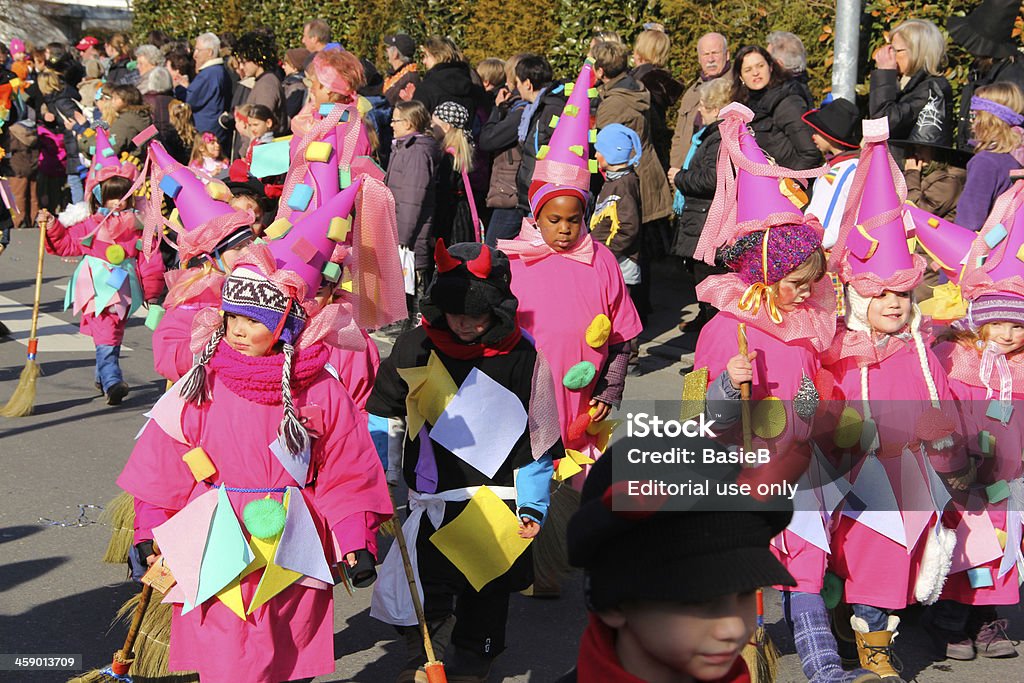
x=449 y=82
x=168 y=134
x=686 y=126
x=398 y=80
x=697 y=183
x=119 y=73
x=616 y=220
x=988 y=176
x=294 y=94
x=52 y=155
x=500 y=137
x=538 y=134
x=665 y=91
x=23 y=154
x=921 y=111
x=63 y=106
x=268 y=92
x=412 y=179
x=625 y=101
x=209 y=95
x=937 y=190
x=1008 y=69
x=779 y=128
x=453 y=218
x=127 y=125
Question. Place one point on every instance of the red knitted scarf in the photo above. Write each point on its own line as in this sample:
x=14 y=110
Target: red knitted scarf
x=259 y=379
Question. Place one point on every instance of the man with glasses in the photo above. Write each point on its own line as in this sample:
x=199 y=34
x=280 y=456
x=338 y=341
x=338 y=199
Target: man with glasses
x=209 y=93
x=713 y=56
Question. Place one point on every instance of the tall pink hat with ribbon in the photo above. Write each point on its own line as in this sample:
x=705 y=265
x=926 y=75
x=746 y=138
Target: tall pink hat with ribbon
x=565 y=163
x=747 y=196
x=205 y=218
x=106 y=164
x=996 y=259
x=946 y=243
x=871 y=252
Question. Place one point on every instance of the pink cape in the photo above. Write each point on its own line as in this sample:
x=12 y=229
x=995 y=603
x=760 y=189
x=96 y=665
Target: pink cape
x=292 y=636
x=558 y=300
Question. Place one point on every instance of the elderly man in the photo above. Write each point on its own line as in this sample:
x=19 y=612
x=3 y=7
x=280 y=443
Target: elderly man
x=209 y=93
x=713 y=57
x=788 y=50
x=147 y=58
x=316 y=34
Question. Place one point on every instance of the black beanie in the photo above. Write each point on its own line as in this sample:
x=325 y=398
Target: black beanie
x=471 y=279
x=682 y=557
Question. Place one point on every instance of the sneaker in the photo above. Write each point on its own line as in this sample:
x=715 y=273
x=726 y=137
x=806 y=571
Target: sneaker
x=949 y=644
x=116 y=393
x=992 y=641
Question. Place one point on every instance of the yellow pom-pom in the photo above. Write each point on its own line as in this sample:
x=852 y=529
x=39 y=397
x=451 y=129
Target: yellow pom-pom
x=847 y=433
x=199 y=463
x=277 y=229
x=115 y=254
x=319 y=151
x=598 y=331
x=769 y=419
x=340 y=228
x=218 y=191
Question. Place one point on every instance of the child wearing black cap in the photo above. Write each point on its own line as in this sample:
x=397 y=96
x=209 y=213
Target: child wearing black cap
x=836 y=133
x=467 y=376
x=685 y=607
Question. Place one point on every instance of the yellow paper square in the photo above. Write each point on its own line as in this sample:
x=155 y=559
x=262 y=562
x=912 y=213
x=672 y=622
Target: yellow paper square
x=567 y=468
x=231 y=596
x=483 y=541
x=431 y=389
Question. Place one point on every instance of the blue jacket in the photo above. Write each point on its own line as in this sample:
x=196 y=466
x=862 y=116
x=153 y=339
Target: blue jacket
x=209 y=95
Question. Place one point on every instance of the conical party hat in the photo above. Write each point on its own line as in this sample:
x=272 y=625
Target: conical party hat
x=197 y=202
x=305 y=247
x=946 y=243
x=106 y=163
x=873 y=240
x=996 y=259
x=757 y=196
x=565 y=160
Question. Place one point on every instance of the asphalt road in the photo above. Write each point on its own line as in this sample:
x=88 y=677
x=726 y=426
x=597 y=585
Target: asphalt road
x=58 y=466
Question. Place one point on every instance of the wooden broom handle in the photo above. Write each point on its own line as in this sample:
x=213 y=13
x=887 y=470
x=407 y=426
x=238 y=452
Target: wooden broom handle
x=39 y=283
x=741 y=338
x=140 y=611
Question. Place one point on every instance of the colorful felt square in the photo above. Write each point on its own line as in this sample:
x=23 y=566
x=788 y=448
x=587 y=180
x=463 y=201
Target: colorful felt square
x=199 y=463
x=87 y=241
x=568 y=89
x=591 y=93
x=996 y=235
x=319 y=151
x=331 y=272
x=277 y=229
x=986 y=443
x=344 y=177
x=553 y=122
x=116 y=278
x=304 y=250
x=272 y=158
x=980 y=577
x=543 y=151
x=107 y=153
x=170 y=186
x=578 y=150
x=300 y=197
x=997 y=410
x=339 y=228
x=326 y=109
x=571 y=110
x=218 y=191
x=592 y=136
x=1020 y=253
x=998 y=491
x=1001 y=537
x=592 y=165
x=139 y=244
x=154 y=316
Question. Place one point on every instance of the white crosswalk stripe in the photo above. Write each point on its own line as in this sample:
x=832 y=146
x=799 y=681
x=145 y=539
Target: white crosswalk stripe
x=55 y=335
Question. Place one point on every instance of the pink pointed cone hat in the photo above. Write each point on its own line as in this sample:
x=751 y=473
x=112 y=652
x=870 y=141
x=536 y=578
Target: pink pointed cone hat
x=306 y=247
x=566 y=159
x=107 y=164
x=996 y=260
x=757 y=196
x=946 y=243
x=872 y=243
x=194 y=203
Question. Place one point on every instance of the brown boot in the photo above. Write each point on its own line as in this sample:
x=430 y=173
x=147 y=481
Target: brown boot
x=875 y=649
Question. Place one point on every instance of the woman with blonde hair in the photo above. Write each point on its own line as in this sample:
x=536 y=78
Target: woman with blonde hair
x=650 y=55
x=907 y=85
x=997 y=114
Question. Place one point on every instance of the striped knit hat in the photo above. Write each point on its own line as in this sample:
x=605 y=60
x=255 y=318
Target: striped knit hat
x=992 y=308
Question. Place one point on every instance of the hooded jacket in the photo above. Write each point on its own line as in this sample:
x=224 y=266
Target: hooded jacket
x=63 y=106
x=626 y=101
x=449 y=82
x=697 y=183
x=128 y=124
x=665 y=91
x=779 y=128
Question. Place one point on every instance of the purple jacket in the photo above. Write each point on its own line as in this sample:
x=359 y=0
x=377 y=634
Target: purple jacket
x=988 y=176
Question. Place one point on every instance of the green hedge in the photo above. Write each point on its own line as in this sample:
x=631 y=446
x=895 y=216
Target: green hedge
x=561 y=29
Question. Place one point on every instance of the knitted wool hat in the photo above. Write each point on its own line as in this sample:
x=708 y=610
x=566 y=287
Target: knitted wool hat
x=993 y=308
x=681 y=557
x=788 y=246
x=248 y=292
x=618 y=144
x=471 y=279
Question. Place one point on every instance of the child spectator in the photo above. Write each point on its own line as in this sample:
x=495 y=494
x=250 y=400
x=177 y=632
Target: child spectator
x=207 y=156
x=412 y=179
x=455 y=217
x=133 y=116
x=500 y=137
x=261 y=126
x=616 y=219
x=997 y=113
x=294 y=85
x=492 y=74
x=179 y=114
x=681 y=615
x=836 y=134
x=471 y=334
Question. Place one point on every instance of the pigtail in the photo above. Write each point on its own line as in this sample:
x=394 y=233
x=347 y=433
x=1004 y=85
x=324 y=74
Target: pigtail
x=194 y=387
x=296 y=438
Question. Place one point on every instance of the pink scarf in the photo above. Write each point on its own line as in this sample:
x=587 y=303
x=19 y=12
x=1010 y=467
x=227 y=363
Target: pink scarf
x=259 y=379
x=530 y=246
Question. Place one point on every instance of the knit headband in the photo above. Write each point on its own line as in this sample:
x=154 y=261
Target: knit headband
x=998 y=110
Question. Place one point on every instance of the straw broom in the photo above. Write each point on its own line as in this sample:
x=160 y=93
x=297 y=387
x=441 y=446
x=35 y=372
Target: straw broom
x=760 y=653
x=433 y=668
x=24 y=398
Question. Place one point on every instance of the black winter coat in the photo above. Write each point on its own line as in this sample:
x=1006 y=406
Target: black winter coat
x=697 y=183
x=62 y=104
x=538 y=134
x=922 y=111
x=778 y=127
x=665 y=92
x=449 y=82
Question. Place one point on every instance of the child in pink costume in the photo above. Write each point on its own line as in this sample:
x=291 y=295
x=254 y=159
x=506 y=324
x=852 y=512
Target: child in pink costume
x=778 y=291
x=252 y=603
x=986 y=373
x=584 y=330
x=893 y=385
x=114 y=278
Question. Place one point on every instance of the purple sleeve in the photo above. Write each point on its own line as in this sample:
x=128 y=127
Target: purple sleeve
x=976 y=199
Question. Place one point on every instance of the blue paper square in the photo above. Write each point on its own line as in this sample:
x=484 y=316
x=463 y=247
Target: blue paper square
x=326 y=109
x=996 y=235
x=980 y=577
x=998 y=411
x=117 y=277
x=300 y=197
x=170 y=186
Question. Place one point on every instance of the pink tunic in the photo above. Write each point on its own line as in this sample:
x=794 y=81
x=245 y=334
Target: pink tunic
x=1004 y=464
x=357 y=370
x=558 y=300
x=292 y=636
x=878 y=570
x=779 y=368
x=172 y=354
x=106 y=327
